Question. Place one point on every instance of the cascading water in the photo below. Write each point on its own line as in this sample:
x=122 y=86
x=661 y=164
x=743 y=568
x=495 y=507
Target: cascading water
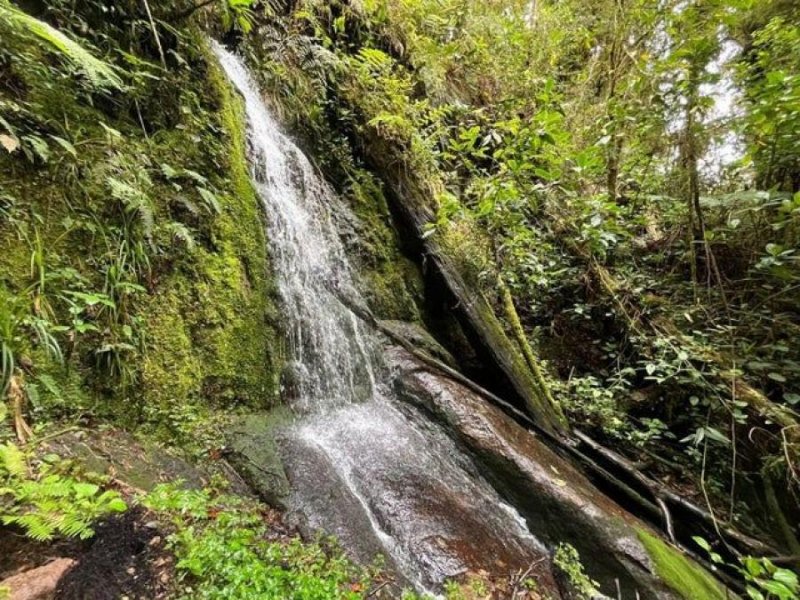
x=326 y=343
x=362 y=465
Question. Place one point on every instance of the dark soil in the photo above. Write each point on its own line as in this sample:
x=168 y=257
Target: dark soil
x=126 y=558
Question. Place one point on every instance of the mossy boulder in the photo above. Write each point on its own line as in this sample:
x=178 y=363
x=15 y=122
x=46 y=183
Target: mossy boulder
x=141 y=464
x=252 y=451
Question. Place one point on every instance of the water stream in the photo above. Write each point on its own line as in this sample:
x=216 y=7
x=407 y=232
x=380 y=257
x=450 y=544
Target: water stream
x=363 y=466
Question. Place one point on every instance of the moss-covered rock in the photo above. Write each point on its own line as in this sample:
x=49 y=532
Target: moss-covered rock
x=682 y=574
x=210 y=326
x=392 y=283
x=131 y=234
x=419 y=337
x=253 y=452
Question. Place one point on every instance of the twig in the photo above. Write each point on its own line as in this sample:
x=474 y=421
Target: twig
x=667 y=519
x=658 y=489
x=141 y=120
x=379 y=588
x=524 y=576
x=155 y=33
x=51 y=436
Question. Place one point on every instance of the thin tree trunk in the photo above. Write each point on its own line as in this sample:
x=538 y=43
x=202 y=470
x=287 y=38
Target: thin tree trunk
x=696 y=234
x=519 y=334
x=17 y=397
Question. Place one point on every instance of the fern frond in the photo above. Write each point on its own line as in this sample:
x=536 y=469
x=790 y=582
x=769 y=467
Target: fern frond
x=210 y=200
x=34 y=525
x=12 y=461
x=75 y=526
x=376 y=59
x=181 y=233
x=101 y=74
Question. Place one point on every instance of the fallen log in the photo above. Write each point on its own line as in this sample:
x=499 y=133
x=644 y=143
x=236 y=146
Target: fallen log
x=412 y=199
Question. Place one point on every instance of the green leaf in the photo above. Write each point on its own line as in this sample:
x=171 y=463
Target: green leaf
x=778 y=589
x=753 y=566
x=791 y=398
x=117 y=505
x=168 y=171
x=702 y=542
x=786 y=577
x=65 y=145
x=85 y=490
x=716 y=435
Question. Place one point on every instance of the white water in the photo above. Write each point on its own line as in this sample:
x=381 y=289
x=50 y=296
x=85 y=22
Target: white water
x=414 y=494
x=326 y=341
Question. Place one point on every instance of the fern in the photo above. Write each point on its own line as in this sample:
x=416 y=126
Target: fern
x=181 y=233
x=12 y=461
x=101 y=74
x=45 y=504
x=375 y=59
x=210 y=200
x=135 y=201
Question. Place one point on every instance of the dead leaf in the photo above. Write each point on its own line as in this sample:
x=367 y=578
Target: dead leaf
x=8 y=142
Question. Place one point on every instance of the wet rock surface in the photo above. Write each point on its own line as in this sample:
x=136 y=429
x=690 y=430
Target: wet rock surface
x=387 y=482
x=420 y=337
x=136 y=464
x=558 y=502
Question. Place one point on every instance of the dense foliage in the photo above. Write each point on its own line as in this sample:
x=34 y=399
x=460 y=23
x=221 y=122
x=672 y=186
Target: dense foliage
x=226 y=550
x=628 y=170
x=619 y=178
x=46 y=500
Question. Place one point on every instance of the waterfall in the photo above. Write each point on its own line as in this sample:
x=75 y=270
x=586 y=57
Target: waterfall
x=362 y=465
x=327 y=346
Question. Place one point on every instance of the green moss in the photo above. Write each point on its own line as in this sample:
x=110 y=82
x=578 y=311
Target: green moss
x=680 y=573
x=204 y=334
x=393 y=284
x=171 y=371
x=211 y=326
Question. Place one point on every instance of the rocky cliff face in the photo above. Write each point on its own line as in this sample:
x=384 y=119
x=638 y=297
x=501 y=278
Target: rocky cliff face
x=134 y=274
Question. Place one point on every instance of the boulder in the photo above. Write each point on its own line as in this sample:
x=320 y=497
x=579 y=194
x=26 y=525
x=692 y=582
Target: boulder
x=37 y=584
x=252 y=451
x=137 y=464
x=419 y=337
x=557 y=501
